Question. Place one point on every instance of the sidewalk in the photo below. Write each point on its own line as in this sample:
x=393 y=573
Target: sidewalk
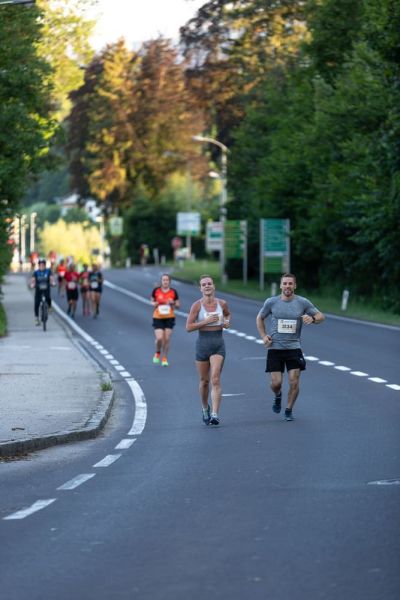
x=50 y=392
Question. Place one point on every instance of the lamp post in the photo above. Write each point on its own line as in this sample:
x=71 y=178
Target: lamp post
x=222 y=209
x=28 y=2
x=32 y=232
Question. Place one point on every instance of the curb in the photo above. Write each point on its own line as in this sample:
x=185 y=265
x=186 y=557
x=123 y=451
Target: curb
x=91 y=429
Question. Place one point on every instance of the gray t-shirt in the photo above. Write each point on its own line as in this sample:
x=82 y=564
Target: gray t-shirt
x=286 y=321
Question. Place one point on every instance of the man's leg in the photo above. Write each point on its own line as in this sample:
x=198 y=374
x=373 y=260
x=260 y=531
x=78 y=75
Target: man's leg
x=276 y=387
x=294 y=381
x=36 y=305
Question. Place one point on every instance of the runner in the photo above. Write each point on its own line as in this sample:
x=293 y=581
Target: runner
x=164 y=300
x=72 y=281
x=85 y=290
x=96 y=280
x=209 y=316
x=288 y=313
x=61 y=270
x=41 y=280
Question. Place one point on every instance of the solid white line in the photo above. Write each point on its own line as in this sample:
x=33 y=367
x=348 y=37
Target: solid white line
x=76 y=481
x=393 y=386
x=127 y=292
x=60 y=348
x=139 y=421
x=125 y=444
x=25 y=512
x=73 y=325
x=377 y=380
x=108 y=460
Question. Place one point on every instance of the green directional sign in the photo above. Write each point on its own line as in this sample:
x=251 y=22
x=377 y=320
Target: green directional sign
x=235 y=238
x=274 y=247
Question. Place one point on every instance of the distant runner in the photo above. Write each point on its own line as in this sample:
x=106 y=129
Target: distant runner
x=164 y=300
x=71 y=282
x=85 y=290
x=61 y=270
x=288 y=313
x=96 y=281
x=209 y=316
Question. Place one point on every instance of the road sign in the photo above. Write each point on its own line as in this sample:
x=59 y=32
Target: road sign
x=116 y=225
x=214 y=236
x=235 y=238
x=274 y=247
x=188 y=223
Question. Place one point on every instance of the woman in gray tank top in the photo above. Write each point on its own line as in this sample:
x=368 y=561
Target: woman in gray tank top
x=209 y=316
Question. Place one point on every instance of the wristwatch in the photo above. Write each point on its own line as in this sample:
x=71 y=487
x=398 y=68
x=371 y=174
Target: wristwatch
x=313 y=319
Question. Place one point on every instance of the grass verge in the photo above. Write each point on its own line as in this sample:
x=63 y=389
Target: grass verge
x=327 y=301
x=3 y=321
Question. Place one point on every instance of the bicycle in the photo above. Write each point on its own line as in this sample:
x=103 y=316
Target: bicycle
x=43 y=311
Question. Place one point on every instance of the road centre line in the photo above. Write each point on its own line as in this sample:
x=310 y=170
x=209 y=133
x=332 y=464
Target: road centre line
x=107 y=460
x=26 y=512
x=76 y=481
x=125 y=444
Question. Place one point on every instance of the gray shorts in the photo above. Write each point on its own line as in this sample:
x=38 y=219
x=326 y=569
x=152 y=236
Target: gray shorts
x=209 y=343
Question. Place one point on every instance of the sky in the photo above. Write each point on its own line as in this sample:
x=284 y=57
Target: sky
x=141 y=20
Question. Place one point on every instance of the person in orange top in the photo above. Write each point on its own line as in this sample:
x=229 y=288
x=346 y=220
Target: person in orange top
x=72 y=281
x=164 y=300
x=61 y=270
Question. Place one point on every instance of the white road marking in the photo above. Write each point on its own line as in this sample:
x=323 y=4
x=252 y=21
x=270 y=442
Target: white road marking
x=60 y=348
x=250 y=337
x=229 y=395
x=385 y=482
x=377 y=380
x=139 y=421
x=114 y=362
x=107 y=460
x=25 y=512
x=125 y=444
x=104 y=352
x=119 y=368
x=341 y=368
x=125 y=374
x=76 y=481
x=393 y=386
x=109 y=356
x=326 y=363
x=232 y=330
x=312 y=358
x=259 y=342
x=240 y=334
x=359 y=373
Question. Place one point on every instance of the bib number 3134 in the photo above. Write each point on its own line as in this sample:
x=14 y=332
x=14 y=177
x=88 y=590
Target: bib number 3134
x=287 y=325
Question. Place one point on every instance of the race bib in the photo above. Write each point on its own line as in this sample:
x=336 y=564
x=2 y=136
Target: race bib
x=212 y=314
x=287 y=325
x=43 y=286
x=94 y=285
x=71 y=285
x=164 y=309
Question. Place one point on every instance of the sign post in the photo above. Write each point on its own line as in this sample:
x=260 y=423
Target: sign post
x=235 y=241
x=188 y=224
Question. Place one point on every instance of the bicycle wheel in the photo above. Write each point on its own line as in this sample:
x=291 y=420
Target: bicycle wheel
x=44 y=313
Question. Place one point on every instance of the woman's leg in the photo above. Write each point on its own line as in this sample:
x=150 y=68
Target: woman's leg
x=203 y=369
x=216 y=362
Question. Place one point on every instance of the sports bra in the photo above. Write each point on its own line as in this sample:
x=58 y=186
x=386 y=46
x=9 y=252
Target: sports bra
x=203 y=314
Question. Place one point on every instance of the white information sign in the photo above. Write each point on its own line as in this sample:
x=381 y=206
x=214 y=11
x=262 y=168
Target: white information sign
x=188 y=223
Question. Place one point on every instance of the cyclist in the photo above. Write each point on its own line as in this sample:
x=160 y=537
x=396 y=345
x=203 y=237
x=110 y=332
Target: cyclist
x=96 y=280
x=61 y=270
x=85 y=290
x=41 y=280
x=72 y=280
x=164 y=300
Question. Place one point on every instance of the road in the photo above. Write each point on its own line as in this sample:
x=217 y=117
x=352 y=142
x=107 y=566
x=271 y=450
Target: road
x=258 y=508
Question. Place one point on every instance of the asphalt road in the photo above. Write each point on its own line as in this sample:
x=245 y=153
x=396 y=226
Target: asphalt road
x=255 y=509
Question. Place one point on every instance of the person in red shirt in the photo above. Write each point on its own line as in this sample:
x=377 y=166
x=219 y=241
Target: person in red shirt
x=61 y=270
x=164 y=300
x=85 y=290
x=72 y=282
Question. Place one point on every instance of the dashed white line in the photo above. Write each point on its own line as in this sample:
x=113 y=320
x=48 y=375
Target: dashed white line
x=377 y=380
x=393 y=386
x=76 y=481
x=326 y=363
x=119 y=368
x=125 y=374
x=114 y=362
x=359 y=373
x=311 y=358
x=109 y=356
x=108 y=460
x=125 y=444
x=385 y=482
x=140 y=408
x=25 y=512
x=342 y=368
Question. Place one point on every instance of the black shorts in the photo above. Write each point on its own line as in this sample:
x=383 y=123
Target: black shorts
x=72 y=294
x=277 y=360
x=164 y=323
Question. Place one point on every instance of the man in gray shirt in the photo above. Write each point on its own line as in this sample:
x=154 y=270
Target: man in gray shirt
x=288 y=312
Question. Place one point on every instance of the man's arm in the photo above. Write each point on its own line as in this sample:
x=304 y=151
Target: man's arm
x=267 y=339
x=316 y=318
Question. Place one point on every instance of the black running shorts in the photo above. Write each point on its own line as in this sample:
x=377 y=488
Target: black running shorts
x=164 y=323
x=277 y=360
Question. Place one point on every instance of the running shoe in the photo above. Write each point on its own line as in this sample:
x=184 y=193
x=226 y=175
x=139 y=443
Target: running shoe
x=156 y=358
x=288 y=414
x=276 y=407
x=37 y=322
x=214 y=419
x=164 y=362
x=206 y=415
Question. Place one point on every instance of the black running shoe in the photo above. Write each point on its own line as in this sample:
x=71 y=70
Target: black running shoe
x=206 y=415
x=276 y=407
x=288 y=414
x=214 y=420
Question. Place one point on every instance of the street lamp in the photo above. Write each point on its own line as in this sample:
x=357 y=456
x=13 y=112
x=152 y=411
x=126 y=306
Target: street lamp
x=222 y=209
x=28 y=2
